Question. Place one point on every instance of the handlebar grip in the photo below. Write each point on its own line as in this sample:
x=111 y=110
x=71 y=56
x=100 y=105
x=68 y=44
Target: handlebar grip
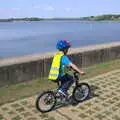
x=76 y=73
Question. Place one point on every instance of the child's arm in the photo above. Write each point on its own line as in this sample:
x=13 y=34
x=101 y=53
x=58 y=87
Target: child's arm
x=76 y=68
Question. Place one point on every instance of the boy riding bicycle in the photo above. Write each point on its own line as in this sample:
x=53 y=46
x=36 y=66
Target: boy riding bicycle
x=59 y=63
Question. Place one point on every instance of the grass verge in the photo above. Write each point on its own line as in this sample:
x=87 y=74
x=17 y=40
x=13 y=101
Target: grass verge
x=26 y=89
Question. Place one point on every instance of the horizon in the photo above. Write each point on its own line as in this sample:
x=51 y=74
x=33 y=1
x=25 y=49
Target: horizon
x=57 y=9
x=58 y=17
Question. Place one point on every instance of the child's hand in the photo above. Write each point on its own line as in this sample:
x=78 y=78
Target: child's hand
x=82 y=73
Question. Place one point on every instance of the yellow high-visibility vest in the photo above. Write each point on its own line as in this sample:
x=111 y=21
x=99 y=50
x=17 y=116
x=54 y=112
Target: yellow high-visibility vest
x=55 y=67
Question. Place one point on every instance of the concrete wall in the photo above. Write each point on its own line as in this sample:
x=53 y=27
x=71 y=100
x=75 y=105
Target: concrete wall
x=28 y=67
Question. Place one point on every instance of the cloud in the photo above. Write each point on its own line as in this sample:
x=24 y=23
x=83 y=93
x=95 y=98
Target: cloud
x=37 y=6
x=44 y=7
x=16 y=9
x=49 y=8
x=68 y=9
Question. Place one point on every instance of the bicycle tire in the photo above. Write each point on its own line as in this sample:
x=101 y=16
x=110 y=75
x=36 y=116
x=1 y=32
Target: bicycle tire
x=78 y=88
x=51 y=93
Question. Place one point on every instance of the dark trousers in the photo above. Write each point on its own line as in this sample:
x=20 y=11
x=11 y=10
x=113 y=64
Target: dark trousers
x=66 y=81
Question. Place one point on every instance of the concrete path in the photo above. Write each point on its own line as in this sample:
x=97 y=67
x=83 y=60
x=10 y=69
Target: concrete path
x=104 y=104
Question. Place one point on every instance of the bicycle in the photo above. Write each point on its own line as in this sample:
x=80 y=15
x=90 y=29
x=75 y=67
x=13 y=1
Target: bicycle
x=80 y=92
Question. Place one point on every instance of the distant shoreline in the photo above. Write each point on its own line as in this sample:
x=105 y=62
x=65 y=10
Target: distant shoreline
x=106 y=17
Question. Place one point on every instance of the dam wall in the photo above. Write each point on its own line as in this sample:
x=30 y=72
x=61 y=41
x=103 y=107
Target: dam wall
x=29 y=67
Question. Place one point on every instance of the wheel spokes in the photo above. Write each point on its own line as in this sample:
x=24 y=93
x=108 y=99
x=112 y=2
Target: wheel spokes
x=46 y=102
x=82 y=92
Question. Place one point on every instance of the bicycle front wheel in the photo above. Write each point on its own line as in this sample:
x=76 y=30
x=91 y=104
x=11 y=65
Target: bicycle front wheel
x=81 y=92
x=46 y=101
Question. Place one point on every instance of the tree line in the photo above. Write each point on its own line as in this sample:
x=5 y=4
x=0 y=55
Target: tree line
x=111 y=17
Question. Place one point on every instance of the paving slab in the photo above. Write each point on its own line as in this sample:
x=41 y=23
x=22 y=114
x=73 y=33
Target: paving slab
x=104 y=103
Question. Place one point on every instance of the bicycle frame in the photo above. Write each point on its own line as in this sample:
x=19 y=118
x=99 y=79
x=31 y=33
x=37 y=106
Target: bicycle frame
x=76 y=79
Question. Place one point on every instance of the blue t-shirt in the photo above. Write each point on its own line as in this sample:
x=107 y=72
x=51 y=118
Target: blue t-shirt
x=64 y=62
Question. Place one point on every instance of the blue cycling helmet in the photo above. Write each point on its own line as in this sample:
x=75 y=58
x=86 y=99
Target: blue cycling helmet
x=63 y=44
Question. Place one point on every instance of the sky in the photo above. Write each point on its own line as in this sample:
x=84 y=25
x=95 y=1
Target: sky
x=57 y=8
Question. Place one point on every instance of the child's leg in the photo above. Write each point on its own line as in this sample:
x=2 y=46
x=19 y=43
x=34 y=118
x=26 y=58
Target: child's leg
x=66 y=82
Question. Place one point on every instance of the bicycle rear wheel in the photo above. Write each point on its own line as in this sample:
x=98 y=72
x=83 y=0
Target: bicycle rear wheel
x=81 y=92
x=46 y=101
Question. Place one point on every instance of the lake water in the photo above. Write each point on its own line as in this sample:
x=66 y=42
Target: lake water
x=21 y=38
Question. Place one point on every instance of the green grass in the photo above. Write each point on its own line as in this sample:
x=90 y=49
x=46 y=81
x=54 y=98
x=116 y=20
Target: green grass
x=100 y=116
x=15 y=105
x=20 y=109
x=1 y=117
x=107 y=113
x=5 y=108
x=83 y=115
x=11 y=113
x=74 y=110
x=24 y=102
x=81 y=107
x=51 y=118
x=22 y=90
x=116 y=117
x=17 y=118
x=101 y=68
x=97 y=108
x=26 y=89
x=88 y=104
x=44 y=115
x=90 y=112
